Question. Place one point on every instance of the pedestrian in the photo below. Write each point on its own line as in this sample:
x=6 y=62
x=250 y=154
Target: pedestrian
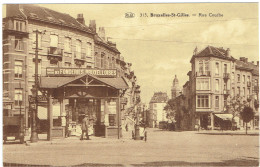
x=84 y=128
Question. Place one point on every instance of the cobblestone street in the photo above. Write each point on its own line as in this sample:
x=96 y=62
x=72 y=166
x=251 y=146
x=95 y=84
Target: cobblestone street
x=163 y=148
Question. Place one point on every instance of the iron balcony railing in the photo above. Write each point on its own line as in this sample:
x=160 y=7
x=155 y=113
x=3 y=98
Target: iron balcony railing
x=203 y=73
x=54 y=51
x=226 y=75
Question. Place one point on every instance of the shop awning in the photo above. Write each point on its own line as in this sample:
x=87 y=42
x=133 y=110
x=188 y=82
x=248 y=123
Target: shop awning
x=56 y=82
x=224 y=116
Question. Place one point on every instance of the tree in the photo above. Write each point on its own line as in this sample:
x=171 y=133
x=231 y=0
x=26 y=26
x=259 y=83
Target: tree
x=235 y=106
x=247 y=115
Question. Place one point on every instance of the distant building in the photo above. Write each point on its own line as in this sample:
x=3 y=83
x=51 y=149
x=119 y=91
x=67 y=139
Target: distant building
x=156 y=108
x=175 y=87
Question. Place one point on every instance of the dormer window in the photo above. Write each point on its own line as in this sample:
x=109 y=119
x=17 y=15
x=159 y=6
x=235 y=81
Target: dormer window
x=33 y=15
x=61 y=20
x=19 y=25
x=51 y=18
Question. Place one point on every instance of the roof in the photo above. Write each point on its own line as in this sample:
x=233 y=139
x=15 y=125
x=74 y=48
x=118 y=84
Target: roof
x=107 y=44
x=56 y=82
x=159 y=97
x=247 y=66
x=212 y=51
x=35 y=12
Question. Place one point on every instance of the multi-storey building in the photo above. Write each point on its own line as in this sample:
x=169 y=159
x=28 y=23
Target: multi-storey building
x=215 y=78
x=63 y=43
x=156 y=108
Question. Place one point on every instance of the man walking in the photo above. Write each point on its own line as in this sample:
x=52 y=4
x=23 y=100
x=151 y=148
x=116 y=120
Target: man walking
x=84 y=127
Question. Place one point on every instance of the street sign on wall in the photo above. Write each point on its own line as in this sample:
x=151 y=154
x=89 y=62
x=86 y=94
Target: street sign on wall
x=55 y=72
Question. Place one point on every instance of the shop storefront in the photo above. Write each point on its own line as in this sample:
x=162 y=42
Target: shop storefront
x=72 y=93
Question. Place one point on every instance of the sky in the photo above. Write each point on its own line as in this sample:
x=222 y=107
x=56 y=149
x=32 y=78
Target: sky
x=161 y=47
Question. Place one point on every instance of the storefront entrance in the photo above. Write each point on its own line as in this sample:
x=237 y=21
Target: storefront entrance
x=99 y=98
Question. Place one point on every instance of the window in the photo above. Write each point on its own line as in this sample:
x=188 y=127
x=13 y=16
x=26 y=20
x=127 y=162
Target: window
x=248 y=79
x=233 y=91
x=256 y=82
x=113 y=62
x=18 y=44
x=154 y=105
x=244 y=91
x=225 y=68
x=78 y=49
x=206 y=66
x=244 y=79
x=19 y=25
x=201 y=67
x=203 y=101
x=18 y=69
x=238 y=90
x=233 y=77
x=18 y=97
x=238 y=77
x=34 y=40
x=217 y=69
x=248 y=92
x=54 y=40
x=67 y=44
x=89 y=49
x=217 y=101
x=102 y=60
x=217 y=85
x=202 y=84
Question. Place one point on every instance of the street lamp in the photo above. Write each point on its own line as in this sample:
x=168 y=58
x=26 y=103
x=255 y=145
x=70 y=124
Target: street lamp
x=34 y=135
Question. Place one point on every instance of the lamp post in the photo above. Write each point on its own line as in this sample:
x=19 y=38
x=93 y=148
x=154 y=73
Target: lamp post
x=34 y=135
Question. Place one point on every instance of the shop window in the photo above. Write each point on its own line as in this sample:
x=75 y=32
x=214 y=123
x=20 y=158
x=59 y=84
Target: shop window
x=18 y=69
x=112 y=119
x=202 y=101
x=18 y=97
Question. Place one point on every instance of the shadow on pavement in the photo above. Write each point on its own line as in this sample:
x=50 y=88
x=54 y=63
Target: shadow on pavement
x=235 y=162
x=226 y=133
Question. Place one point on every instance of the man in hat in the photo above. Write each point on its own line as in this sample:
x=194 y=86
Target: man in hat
x=84 y=127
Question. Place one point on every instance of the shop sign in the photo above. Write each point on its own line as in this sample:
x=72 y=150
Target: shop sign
x=55 y=72
x=40 y=98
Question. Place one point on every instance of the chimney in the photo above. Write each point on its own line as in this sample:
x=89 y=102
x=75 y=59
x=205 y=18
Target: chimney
x=243 y=59
x=92 y=25
x=228 y=52
x=257 y=63
x=246 y=60
x=81 y=19
x=253 y=62
x=101 y=33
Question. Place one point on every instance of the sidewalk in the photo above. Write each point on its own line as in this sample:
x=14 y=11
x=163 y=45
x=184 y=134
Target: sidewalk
x=74 y=139
x=229 y=132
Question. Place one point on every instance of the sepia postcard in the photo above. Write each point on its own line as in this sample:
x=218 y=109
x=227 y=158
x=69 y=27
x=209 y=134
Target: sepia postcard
x=130 y=84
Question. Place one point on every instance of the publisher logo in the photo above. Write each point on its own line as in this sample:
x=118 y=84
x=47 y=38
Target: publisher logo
x=129 y=15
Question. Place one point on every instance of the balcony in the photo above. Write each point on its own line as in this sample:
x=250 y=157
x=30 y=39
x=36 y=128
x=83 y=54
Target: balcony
x=79 y=58
x=249 y=84
x=55 y=54
x=226 y=92
x=226 y=75
x=203 y=73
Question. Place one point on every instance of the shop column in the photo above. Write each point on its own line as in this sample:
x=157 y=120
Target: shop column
x=50 y=119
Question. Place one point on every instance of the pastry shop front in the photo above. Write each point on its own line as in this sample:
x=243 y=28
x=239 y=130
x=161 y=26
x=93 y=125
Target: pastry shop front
x=71 y=96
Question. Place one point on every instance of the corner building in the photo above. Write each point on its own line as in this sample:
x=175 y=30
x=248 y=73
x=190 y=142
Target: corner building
x=216 y=77
x=63 y=43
